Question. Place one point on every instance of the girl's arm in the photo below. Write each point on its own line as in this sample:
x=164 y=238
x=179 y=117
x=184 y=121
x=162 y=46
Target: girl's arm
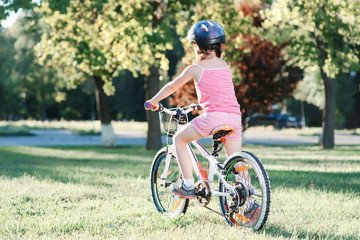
x=172 y=86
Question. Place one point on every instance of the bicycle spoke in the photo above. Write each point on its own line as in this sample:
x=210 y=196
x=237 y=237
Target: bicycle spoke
x=161 y=194
x=250 y=176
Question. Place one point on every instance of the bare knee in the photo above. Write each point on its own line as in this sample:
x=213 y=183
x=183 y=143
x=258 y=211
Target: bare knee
x=232 y=147
x=179 y=139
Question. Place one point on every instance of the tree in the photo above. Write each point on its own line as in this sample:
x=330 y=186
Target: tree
x=324 y=33
x=165 y=16
x=27 y=89
x=261 y=76
x=311 y=90
x=10 y=94
x=96 y=39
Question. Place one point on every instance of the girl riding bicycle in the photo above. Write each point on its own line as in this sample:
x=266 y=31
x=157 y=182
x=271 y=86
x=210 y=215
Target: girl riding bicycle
x=215 y=91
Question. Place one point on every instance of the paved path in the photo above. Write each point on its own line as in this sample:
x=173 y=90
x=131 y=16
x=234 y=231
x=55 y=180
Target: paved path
x=65 y=137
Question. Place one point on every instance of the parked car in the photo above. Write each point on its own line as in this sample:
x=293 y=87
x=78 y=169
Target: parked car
x=274 y=119
x=285 y=121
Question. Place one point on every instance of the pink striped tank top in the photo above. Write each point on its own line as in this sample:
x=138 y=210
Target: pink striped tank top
x=215 y=91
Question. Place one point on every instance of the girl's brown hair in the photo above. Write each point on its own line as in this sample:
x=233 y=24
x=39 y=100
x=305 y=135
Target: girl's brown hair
x=202 y=54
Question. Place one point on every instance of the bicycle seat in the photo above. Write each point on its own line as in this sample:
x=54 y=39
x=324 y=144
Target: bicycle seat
x=222 y=131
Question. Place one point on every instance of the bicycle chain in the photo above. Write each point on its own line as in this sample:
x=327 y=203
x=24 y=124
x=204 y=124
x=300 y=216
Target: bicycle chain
x=226 y=216
x=219 y=213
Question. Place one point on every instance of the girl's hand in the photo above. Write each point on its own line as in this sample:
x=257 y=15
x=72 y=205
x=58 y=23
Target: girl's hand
x=150 y=105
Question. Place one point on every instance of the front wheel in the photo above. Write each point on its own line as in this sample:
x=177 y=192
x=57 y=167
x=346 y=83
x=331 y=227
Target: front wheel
x=250 y=205
x=165 y=202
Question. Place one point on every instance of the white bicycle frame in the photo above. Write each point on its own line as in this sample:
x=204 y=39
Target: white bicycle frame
x=213 y=171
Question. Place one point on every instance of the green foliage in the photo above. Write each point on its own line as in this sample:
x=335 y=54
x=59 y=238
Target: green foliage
x=346 y=88
x=127 y=103
x=8 y=6
x=312 y=112
x=321 y=32
x=10 y=99
x=311 y=89
x=27 y=87
x=9 y=130
x=96 y=38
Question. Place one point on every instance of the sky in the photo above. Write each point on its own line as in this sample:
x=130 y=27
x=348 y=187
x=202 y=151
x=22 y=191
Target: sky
x=11 y=19
x=13 y=16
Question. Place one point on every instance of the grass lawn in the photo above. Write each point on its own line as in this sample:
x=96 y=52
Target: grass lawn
x=103 y=193
x=78 y=127
x=8 y=130
x=23 y=127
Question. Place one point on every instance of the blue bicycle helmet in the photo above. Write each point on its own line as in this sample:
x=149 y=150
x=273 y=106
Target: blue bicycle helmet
x=207 y=34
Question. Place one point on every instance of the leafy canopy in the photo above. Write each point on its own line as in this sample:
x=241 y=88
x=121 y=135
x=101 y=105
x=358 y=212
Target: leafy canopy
x=97 y=38
x=313 y=26
x=7 y=6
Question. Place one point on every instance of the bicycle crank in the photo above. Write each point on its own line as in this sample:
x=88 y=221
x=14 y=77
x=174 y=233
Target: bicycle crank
x=202 y=193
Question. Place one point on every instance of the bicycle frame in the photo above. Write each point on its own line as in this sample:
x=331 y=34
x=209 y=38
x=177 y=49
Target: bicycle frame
x=213 y=171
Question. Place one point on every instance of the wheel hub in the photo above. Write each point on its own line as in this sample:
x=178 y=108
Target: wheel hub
x=241 y=196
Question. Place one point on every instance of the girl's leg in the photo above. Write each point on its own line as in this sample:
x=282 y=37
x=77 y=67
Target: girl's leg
x=232 y=147
x=181 y=140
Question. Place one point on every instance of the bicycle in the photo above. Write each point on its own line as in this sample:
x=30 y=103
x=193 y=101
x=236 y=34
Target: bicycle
x=241 y=177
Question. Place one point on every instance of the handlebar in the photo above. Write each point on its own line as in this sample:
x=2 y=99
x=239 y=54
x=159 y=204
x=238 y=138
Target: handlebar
x=186 y=109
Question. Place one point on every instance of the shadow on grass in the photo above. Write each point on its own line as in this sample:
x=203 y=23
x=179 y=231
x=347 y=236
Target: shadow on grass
x=330 y=182
x=304 y=147
x=135 y=162
x=276 y=231
x=92 y=170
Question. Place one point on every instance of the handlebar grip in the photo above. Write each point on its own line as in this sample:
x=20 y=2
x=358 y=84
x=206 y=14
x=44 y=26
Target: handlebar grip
x=149 y=106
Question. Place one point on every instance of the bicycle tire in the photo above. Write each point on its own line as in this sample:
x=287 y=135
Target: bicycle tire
x=258 y=178
x=164 y=201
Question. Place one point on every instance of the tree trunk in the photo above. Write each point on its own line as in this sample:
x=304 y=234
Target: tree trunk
x=102 y=106
x=329 y=84
x=303 y=123
x=153 y=140
x=328 y=141
x=43 y=113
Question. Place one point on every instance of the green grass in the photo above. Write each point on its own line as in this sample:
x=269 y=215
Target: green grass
x=76 y=126
x=86 y=132
x=103 y=193
x=9 y=130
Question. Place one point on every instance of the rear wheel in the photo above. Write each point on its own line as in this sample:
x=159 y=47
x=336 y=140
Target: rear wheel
x=165 y=202
x=250 y=206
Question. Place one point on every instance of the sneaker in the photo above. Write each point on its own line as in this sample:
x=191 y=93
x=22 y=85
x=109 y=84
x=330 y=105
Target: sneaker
x=182 y=191
x=253 y=213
